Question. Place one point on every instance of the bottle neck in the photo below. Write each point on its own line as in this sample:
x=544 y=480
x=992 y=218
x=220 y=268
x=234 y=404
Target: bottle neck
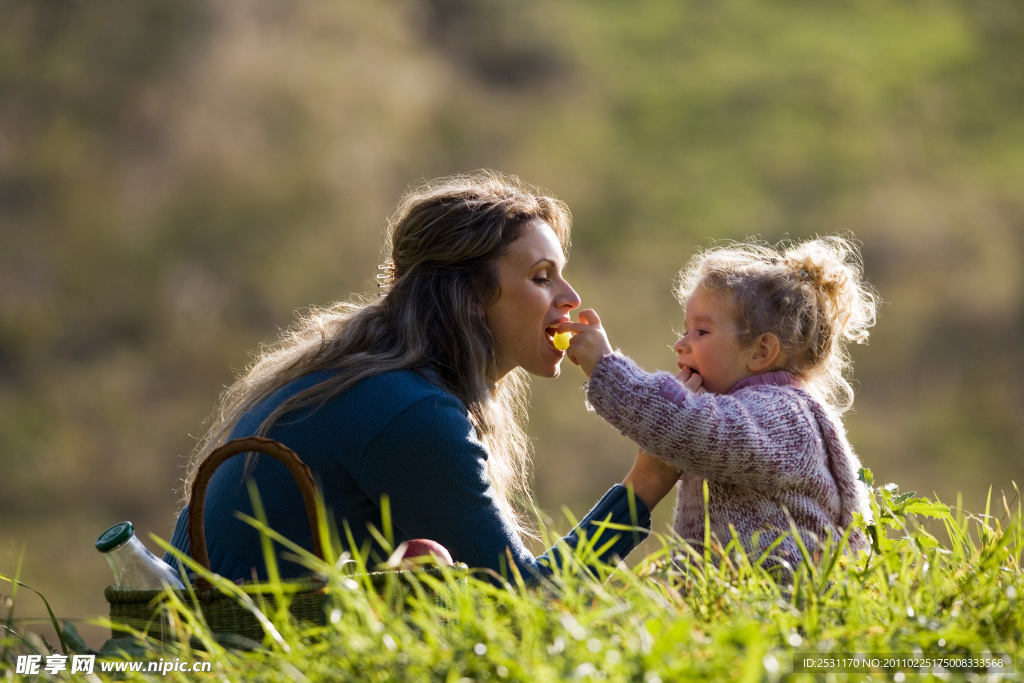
x=134 y=566
x=132 y=545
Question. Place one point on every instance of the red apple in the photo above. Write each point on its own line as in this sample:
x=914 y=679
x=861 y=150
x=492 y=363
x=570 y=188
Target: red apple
x=421 y=549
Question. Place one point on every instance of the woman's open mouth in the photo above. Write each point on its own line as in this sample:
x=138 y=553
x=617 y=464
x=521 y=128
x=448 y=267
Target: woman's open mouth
x=549 y=334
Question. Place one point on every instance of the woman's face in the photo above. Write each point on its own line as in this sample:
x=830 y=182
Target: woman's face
x=533 y=298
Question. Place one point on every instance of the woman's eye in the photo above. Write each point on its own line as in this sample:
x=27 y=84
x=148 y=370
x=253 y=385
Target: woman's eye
x=541 y=279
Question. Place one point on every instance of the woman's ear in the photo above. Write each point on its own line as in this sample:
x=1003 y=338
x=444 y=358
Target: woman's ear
x=766 y=352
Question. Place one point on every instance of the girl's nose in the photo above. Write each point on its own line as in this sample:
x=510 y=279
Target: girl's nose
x=680 y=346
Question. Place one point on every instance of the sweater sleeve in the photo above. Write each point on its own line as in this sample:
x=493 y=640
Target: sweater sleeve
x=746 y=439
x=429 y=463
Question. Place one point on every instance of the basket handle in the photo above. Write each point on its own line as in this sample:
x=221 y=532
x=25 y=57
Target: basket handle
x=197 y=501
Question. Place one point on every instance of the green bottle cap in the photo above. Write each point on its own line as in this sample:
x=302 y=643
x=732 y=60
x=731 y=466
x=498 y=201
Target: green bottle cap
x=114 y=536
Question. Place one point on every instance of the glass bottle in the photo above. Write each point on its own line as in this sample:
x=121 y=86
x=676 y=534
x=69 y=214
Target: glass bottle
x=134 y=567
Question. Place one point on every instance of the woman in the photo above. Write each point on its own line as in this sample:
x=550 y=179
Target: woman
x=418 y=396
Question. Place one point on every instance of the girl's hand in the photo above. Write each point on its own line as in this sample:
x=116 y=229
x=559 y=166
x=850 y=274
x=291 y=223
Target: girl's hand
x=651 y=478
x=589 y=343
x=691 y=380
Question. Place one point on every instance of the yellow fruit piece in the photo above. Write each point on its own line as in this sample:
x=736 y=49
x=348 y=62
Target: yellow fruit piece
x=562 y=340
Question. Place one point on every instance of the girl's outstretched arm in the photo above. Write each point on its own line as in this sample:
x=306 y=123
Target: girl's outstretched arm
x=768 y=432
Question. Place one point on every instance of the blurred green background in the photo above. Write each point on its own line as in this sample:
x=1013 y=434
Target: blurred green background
x=177 y=178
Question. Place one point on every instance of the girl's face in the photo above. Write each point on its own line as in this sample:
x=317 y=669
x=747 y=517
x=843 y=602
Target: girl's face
x=533 y=298
x=711 y=343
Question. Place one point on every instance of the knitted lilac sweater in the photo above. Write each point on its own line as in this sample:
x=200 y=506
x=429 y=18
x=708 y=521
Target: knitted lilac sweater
x=766 y=448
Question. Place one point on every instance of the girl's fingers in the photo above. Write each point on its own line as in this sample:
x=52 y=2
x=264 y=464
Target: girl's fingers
x=693 y=382
x=587 y=320
x=589 y=317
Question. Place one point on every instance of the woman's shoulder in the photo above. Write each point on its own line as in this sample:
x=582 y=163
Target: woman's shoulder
x=407 y=383
x=371 y=400
x=407 y=386
x=374 y=405
x=382 y=397
x=402 y=404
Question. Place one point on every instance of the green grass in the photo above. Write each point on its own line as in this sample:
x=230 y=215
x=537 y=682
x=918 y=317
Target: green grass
x=956 y=592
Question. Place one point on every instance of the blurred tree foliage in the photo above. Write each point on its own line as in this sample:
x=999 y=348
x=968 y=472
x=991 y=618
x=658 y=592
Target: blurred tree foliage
x=177 y=178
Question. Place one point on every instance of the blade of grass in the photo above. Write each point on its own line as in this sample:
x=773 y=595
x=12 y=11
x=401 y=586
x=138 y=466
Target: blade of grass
x=9 y=620
x=49 y=610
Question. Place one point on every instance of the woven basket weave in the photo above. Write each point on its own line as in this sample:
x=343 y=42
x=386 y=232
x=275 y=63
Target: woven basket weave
x=228 y=614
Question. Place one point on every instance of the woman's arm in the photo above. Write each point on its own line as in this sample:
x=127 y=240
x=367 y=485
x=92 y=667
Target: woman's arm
x=651 y=478
x=433 y=469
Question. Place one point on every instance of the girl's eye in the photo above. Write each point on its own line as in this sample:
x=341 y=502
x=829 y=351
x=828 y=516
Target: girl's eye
x=701 y=333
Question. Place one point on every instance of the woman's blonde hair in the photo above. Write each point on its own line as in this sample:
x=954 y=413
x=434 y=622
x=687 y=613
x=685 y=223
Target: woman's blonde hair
x=442 y=242
x=810 y=295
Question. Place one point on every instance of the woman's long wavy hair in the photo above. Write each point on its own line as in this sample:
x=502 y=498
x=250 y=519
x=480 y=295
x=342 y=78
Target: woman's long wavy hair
x=442 y=243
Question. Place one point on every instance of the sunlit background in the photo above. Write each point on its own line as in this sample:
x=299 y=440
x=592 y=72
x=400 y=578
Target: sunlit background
x=178 y=177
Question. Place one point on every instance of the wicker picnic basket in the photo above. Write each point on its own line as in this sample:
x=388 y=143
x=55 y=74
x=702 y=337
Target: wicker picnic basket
x=226 y=613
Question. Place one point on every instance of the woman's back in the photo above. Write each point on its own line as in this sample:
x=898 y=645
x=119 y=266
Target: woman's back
x=394 y=434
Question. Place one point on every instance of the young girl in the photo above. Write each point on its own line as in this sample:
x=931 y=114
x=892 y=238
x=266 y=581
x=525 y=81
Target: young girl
x=762 y=362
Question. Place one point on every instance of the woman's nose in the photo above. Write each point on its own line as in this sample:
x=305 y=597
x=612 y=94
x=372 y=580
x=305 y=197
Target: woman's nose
x=568 y=299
